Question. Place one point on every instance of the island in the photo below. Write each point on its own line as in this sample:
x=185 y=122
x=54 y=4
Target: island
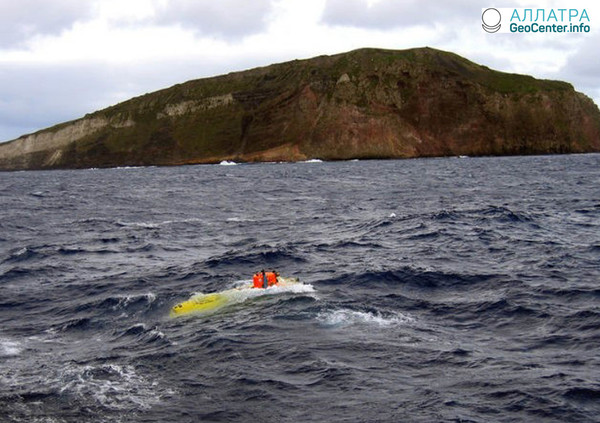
x=363 y=104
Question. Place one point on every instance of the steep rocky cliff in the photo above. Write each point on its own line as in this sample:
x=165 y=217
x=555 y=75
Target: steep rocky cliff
x=367 y=103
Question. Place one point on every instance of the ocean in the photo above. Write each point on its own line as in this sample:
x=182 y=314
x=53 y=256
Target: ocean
x=432 y=290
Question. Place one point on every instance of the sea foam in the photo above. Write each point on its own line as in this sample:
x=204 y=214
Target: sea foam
x=346 y=317
x=9 y=348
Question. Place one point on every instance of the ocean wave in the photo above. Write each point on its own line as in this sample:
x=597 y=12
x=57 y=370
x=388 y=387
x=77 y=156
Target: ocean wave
x=411 y=277
x=15 y=273
x=141 y=334
x=505 y=310
x=584 y=321
x=504 y=215
x=34 y=255
x=593 y=209
x=158 y=224
x=122 y=302
x=583 y=394
x=140 y=225
x=112 y=386
x=22 y=254
x=347 y=244
x=93 y=311
x=347 y=317
x=577 y=293
x=454 y=290
x=257 y=256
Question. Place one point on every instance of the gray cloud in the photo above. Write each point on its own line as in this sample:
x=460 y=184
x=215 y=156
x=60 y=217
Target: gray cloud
x=388 y=14
x=584 y=63
x=227 y=19
x=583 y=68
x=22 y=19
x=34 y=97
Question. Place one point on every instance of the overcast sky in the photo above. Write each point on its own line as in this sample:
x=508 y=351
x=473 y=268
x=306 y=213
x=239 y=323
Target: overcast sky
x=61 y=59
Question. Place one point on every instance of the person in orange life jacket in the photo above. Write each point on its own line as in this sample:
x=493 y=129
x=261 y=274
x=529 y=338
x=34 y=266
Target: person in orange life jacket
x=264 y=279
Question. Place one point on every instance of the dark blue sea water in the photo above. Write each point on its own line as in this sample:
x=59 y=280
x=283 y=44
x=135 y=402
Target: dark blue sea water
x=435 y=290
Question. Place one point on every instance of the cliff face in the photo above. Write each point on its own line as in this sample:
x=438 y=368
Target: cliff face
x=363 y=104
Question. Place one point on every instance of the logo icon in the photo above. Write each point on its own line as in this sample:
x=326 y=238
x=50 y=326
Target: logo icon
x=491 y=20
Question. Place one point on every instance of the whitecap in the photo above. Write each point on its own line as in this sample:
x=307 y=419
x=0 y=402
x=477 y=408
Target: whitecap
x=313 y=161
x=126 y=300
x=150 y=297
x=189 y=220
x=143 y=225
x=118 y=387
x=125 y=168
x=345 y=317
x=228 y=163
x=9 y=348
x=157 y=333
x=235 y=219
